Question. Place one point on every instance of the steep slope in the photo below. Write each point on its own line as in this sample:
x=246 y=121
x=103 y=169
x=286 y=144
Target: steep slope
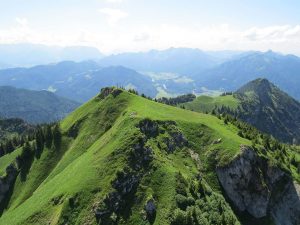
x=261 y=104
x=123 y=159
x=283 y=70
x=76 y=81
x=33 y=106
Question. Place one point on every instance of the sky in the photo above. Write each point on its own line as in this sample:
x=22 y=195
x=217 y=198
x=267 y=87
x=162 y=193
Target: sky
x=115 y=26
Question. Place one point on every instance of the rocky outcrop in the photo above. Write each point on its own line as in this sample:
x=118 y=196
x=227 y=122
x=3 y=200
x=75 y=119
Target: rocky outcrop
x=174 y=138
x=259 y=189
x=125 y=185
x=107 y=91
x=286 y=206
x=149 y=127
x=119 y=201
x=140 y=156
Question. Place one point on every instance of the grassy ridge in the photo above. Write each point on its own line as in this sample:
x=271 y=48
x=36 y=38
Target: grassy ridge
x=64 y=185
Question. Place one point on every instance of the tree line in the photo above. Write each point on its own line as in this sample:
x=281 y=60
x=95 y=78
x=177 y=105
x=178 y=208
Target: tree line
x=8 y=145
x=48 y=136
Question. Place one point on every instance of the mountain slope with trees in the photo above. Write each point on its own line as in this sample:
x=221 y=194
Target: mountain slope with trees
x=282 y=70
x=76 y=81
x=124 y=159
x=33 y=106
x=9 y=127
x=261 y=104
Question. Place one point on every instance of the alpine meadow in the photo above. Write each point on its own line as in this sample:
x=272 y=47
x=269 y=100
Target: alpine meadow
x=127 y=112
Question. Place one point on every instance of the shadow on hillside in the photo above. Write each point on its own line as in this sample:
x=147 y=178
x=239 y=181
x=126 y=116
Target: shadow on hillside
x=25 y=168
x=7 y=197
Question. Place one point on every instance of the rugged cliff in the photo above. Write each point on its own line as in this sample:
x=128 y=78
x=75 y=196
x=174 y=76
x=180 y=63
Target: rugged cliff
x=260 y=189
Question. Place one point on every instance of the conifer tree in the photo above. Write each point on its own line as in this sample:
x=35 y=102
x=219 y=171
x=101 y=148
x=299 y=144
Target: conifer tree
x=56 y=136
x=9 y=147
x=1 y=150
x=48 y=137
x=39 y=140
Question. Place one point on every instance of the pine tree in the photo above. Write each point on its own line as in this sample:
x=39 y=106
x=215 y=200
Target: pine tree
x=48 y=137
x=15 y=141
x=25 y=155
x=266 y=142
x=39 y=140
x=9 y=147
x=26 y=151
x=226 y=120
x=56 y=136
x=1 y=150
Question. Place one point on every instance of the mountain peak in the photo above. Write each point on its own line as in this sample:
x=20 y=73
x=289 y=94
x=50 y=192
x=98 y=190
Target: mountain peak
x=258 y=86
x=262 y=82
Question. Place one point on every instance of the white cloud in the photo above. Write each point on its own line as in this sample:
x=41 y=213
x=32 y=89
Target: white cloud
x=22 y=21
x=113 y=15
x=285 y=38
x=114 y=1
x=142 y=37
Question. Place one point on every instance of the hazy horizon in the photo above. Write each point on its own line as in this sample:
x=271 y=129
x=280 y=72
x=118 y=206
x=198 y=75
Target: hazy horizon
x=115 y=26
x=147 y=50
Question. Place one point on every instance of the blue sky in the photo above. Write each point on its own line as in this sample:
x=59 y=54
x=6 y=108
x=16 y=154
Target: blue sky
x=138 y=25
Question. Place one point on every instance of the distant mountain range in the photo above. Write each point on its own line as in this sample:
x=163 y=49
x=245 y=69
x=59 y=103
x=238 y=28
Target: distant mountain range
x=26 y=55
x=200 y=71
x=184 y=61
x=261 y=104
x=33 y=106
x=76 y=81
x=169 y=72
x=282 y=70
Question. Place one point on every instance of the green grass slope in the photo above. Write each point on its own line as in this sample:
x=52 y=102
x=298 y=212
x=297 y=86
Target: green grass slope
x=208 y=103
x=120 y=154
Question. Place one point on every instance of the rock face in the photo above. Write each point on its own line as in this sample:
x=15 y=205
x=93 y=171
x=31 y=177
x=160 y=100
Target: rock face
x=174 y=138
x=259 y=189
x=286 y=209
x=139 y=157
x=107 y=91
x=7 y=182
x=149 y=127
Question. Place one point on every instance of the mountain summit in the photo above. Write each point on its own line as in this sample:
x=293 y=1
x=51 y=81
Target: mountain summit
x=269 y=109
x=258 y=86
x=282 y=70
x=261 y=104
